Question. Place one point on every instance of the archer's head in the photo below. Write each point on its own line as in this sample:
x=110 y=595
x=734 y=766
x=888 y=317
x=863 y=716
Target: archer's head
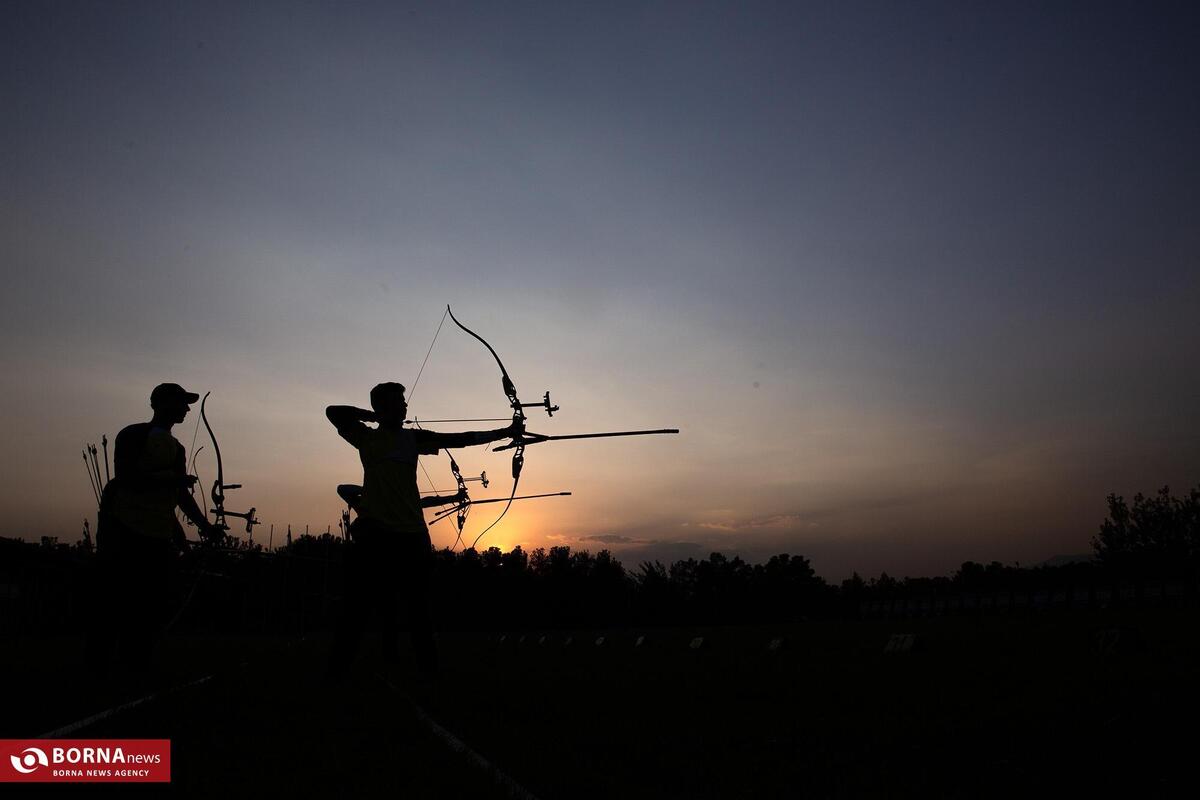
x=170 y=402
x=387 y=401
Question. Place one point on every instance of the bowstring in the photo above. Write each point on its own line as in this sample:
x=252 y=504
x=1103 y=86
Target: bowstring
x=187 y=601
x=421 y=371
x=412 y=391
x=199 y=483
x=192 y=452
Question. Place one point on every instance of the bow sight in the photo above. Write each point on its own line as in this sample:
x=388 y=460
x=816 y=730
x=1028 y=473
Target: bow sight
x=544 y=404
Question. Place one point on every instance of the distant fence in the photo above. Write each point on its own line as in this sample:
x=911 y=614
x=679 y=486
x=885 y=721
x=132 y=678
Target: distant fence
x=1022 y=599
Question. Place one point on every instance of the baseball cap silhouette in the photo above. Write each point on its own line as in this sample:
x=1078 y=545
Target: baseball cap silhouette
x=171 y=392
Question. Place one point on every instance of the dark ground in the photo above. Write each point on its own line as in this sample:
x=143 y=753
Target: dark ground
x=1038 y=704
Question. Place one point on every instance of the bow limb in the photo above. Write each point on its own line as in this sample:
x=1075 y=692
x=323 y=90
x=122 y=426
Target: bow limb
x=218 y=487
x=510 y=391
x=516 y=480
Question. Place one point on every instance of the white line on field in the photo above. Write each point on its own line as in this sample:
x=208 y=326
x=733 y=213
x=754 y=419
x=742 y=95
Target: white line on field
x=110 y=712
x=498 y=776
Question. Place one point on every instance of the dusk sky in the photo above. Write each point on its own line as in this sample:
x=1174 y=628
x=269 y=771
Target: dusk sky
x=918 y=282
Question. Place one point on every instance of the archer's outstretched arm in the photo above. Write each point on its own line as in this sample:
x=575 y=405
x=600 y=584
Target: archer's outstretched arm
x=442 y=500
x=453 y=441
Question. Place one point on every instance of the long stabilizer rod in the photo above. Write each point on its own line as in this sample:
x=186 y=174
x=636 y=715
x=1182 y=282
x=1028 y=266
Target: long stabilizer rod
x=536 y=438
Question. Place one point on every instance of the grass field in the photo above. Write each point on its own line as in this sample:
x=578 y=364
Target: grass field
x=1048 y=703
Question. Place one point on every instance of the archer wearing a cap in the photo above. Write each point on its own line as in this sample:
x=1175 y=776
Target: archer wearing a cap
x=138 y=534
x=151 y=476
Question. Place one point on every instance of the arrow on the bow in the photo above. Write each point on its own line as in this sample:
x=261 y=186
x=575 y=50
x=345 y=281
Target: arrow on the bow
x=443 y=514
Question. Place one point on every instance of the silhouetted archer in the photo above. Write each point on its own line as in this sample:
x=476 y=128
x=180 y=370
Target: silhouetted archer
x=390 y=551
x=138 y=535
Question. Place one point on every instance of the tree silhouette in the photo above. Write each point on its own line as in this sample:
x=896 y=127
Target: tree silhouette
x=1159 y=535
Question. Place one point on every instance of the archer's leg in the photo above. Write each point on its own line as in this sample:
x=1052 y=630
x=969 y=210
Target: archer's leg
x=417 y=602
x=348 y=635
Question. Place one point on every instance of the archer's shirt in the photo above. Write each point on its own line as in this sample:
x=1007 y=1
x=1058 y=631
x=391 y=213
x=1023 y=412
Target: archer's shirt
x=389 y=459
x=149 y=465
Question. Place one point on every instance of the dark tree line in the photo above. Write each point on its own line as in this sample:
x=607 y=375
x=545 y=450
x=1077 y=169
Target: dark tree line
x=1157 y=536
x=299 y=585
x=558 y=587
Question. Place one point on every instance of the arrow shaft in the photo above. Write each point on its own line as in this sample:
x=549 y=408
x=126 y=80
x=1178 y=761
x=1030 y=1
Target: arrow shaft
x=474 y=419
x=91 y=478
x=444 y=514
x=107 y=474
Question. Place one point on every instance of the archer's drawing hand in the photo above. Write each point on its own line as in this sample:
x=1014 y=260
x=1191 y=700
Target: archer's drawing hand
x=186 y=481
x=368 y=416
